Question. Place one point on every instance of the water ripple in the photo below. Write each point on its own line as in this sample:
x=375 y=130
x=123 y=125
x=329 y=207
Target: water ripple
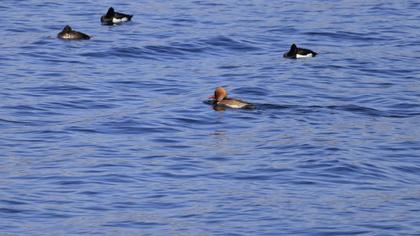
x=110 y=136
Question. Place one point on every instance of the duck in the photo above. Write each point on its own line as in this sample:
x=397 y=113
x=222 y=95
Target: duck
x=220 y=99
x=69 y=34
x=296 y=52
x=113 y=17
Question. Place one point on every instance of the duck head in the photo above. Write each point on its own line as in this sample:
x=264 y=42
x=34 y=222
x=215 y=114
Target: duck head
x=110 y=12
x=219 y=94
x=293 y=49
x=67 y=29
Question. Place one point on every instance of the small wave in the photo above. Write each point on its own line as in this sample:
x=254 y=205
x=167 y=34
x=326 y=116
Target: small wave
x=401 y=110
x=189 y=47
x=5 y=210
x=273 y=106
x=26 y=108
x=59 y=89
x=81 y=104
x=210 y=4
x=13 y=202
x=358 y=109
x=132 y=127
x=81 y=130
x=176 y=49
x=129 y=52
x=183 y=50
x=190 y=120
x=229 y=44
x=348 y=108
x=152 y=52
x=257 y=91
x=347 y=35
x=131 y=224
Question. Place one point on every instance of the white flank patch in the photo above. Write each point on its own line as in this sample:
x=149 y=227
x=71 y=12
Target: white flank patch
x=67 y=36
x=115 y=20
x=303 y=56
x=235 y=105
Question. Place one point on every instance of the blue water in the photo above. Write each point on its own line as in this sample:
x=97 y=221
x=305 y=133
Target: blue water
x=113 y=136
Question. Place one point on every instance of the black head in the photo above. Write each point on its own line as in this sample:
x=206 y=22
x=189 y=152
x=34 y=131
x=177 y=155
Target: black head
x=292 y=52
x=67 y=28
x=293 y=49
x=110 y=12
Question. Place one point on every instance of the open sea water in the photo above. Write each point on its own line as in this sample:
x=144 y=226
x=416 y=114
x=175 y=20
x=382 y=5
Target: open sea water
x=113 y=135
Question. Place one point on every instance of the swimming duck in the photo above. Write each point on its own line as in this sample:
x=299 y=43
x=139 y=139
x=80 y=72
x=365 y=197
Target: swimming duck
x=113 y=17
x=68 y=33
x=296 y=52
x=221 y=99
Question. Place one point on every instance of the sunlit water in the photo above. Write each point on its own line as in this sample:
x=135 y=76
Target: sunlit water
x=113 y=136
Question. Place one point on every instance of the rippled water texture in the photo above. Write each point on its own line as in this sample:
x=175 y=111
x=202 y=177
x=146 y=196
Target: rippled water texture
x=113 y=135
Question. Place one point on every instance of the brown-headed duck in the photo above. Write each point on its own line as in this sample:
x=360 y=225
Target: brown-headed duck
x=220 y=99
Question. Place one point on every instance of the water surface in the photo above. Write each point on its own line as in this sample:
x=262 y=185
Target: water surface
x=112 y=136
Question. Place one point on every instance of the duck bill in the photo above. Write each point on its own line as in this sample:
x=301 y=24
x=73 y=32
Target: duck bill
x=215 y=100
